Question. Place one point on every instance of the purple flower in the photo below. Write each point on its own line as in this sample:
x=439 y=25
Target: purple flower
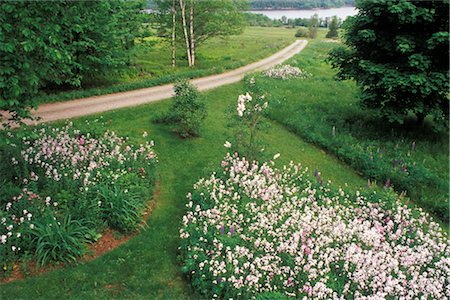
x=222 y=229
x=231 y=230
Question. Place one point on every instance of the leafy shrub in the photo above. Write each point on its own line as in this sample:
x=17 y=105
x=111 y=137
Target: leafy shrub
x=187 y=111
x=60 y=241
x=302 y=32
x=253 y=229
x=121 y=209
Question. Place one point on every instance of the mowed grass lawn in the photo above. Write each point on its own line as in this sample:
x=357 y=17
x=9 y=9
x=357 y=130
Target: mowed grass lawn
x=147 y=267
x=152 y=64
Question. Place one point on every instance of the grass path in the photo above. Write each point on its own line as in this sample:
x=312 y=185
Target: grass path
x=146 y=267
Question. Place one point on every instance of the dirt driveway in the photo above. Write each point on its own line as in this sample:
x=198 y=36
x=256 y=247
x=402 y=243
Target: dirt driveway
x=91 y=105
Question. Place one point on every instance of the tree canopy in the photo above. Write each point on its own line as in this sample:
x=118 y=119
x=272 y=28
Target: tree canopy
x=61 y=42
x=397 y=52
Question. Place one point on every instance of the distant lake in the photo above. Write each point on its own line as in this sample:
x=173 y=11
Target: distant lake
x=341 y=12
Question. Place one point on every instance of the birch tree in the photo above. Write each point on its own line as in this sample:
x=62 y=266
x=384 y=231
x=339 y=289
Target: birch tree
x=186 y=37
x=174 y=13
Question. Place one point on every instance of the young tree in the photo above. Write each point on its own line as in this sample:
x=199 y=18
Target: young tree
x=333 y=29
x=397 y=52
x=313 y=25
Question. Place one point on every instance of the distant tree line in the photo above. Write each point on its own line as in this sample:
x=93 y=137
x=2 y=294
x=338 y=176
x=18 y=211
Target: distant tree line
x=299 y=4
x=253 y=19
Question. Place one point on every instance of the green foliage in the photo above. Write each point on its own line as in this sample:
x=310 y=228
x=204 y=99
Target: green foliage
x=64 y=43
x=397 y=52
x=120 y=208
x=60 y=241
x=257 y=20
x=187 y=112
x=313 y=25
x=211 y=19
x=302 y=32
x=333 y=28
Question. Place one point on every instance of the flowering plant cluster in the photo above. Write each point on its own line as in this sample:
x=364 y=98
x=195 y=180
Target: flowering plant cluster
x=254 y=230
x=51 y=175
x=285 y=72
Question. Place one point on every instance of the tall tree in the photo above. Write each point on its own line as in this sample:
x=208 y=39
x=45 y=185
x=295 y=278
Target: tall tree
x=191 y=28
x=397 y=52
x=185 y=31
x=174 y=14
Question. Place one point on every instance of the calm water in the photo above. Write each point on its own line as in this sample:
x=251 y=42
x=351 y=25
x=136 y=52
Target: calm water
x=341 y=12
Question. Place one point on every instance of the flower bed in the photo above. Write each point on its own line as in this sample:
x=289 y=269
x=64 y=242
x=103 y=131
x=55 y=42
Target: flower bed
x=61 y=188
x=253 y=230
x=285 y=72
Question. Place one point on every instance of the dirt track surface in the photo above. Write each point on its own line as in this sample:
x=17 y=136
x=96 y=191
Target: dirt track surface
x=97 y=104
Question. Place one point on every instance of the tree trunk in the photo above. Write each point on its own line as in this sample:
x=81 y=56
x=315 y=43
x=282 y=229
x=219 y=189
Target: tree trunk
x=174 y=12
x=191 y=25
x=186 y=38
x=420 y=119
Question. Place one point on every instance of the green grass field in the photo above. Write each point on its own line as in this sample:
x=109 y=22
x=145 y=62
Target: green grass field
x=152 y=65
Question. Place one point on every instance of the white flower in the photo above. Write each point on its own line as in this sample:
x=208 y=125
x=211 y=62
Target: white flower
x=145 y=134
x=276 y=156
x=227 y=144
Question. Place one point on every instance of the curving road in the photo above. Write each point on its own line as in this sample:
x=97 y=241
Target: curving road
x=91 y=105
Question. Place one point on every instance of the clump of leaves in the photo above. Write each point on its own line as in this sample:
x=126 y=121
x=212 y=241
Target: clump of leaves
x=62 y=241
x=121 y=209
